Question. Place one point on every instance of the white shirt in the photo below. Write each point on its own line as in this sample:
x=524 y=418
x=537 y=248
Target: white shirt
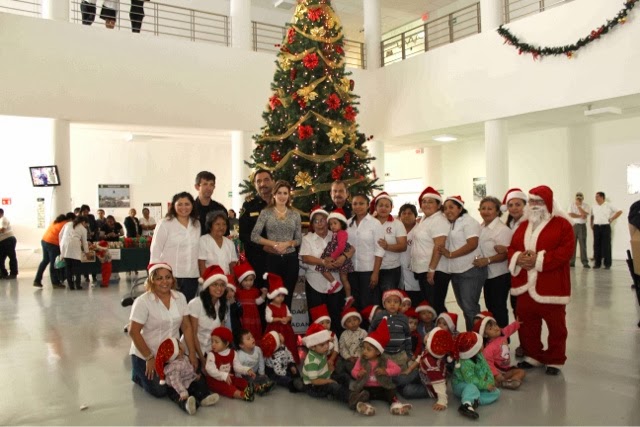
x=364 y=238
x=205 y=323
x=313 y=245
x=157 y=322
x=425 y=232
x=602 y=213
x=73 y=241
x=178 y=246
x=4 y=223
x=462 y=229
x=392 y=230
x=150 y=221
x=408 y=279
x=212 y=254
x=496 y=233
x=574 y=210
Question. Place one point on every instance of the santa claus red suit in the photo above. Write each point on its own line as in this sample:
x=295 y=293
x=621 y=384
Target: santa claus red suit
x=539 y=256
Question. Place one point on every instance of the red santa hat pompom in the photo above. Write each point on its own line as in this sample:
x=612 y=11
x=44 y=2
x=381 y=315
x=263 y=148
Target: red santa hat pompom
x=316 y=334
x=153 y=267
x=429 y=193
x=451 y=319
x=369 y=311
x=270 y=343
x=439 y=343
x=168 y=351
x=411 y=313
x=374 y=203
x=276 y=285
x=339 y=215
x=424 y=306
x=391 y=293
x=319 y=313
x=513 y=193
x=544 y=193
x=242 y=271
x=456 y=199
x=212 y=274
x=380 y=337
x=480 y=325
x=468 y=344
x=347 y=313
x=223 y=333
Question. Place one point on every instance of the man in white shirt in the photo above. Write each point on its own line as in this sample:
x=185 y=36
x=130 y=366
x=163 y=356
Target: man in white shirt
x=7 y=249
x=602 y=215
x=579 y=211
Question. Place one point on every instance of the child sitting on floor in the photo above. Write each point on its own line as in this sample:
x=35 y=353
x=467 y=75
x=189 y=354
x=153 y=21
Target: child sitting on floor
x=448 y=322
x=280 y=366
x=427 y=316
x=250 y=356
x=351 y=338
x=320 y=315
x=222 y=366
x=416 y=340
x=433 y=365
x=406 y=302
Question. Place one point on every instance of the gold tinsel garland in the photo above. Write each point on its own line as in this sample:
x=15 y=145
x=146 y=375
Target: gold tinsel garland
x=323 y=120
x=316 y=158
x=323 y=187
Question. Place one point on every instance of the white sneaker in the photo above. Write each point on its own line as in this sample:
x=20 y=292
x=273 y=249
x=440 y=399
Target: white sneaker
x=210 y=400
x=190 y=406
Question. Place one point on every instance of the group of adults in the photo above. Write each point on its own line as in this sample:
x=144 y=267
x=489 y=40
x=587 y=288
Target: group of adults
x=109 y=13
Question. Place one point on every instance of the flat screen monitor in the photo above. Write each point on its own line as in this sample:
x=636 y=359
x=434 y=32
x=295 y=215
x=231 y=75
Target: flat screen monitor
x=44 y=176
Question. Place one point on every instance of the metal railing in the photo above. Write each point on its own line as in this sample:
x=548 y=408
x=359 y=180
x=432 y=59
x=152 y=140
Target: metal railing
x=21 y=7
x=516 y=9
x=444 y=30
x=268 y=38
x=163 y=20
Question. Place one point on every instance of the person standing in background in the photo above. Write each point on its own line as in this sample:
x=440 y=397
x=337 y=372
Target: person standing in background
x=109 y=13
x=147 y=223
x=339 y=198
x=205 y=185
x=7 y=249
x=136 y=15
x=579 y=211
x=602 y=215
x=88 y=11
x=132 y=224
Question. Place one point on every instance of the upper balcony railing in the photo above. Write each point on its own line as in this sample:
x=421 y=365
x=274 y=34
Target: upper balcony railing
x=21 y=7
x=444 y=30
x=516 y=9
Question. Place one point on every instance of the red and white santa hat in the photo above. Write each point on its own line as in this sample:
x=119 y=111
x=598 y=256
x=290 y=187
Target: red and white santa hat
x=405 y=296
x=411 y=313
x=212 y=274
x=430 y=193
x=439 y=342
x=276 y=285
x=347 y=313
x=544 y=193
x=242 y=271
x=468 y=344
x=102 y=245
x=391 y=293
x=338 y=214
x=316 y=334
x=451 y=319
x=168 y=351
x=457 y=199
x=424 y=306
x=369 y=312
x=376 y=199
x=513 y=193
x=316 y=210
x=319 y=313
x=483 y=314
x=380 y=337
x=230 y=282
x=480 y=324
x=270 y=343
x=153 y=267
x=223 y=333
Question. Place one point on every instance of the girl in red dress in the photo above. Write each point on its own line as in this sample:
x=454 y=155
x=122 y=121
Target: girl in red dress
x=277 y=314
x=249 y=298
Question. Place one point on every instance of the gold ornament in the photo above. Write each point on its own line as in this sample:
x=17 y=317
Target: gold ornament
x=307 y=94
x=318 y=32
x=285 y=63
x=301 y=11
x=336 y=136
x=303 y=179
x=330 y=22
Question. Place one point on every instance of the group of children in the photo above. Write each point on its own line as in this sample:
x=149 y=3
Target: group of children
x=404 y=347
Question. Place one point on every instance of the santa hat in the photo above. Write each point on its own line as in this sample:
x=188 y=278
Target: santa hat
x=430 y=193
x=347 y=313
x=211 y=274
x=168 y=351
x=374 y=202
x=480 y=325
x=230 y=284
x=391 y=293
x=316 y=210
x=543 y=193
x=513 y=193
x=380 y=337
x=484 y=314
x=102 y=245
x=153 y=267
x=223 y=333
x=270 y=343
x=457 y=199
x=242 y=271
x=276 y=285
x=316 y=334
x=369 y=311
x=319 y=313
x=424 y=306
x=439 y=342
x=468 y=344
x=412 y=313
x=339 y=215
x=405 y=296
x=451 y=319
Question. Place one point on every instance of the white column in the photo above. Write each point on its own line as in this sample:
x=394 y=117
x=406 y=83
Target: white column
x=496 y=157
x=61 y=147
x=376 y=149
x=490 y=15
x=57 y=10
x=433 y=167
x=241 y=150
x=372 y=33
x=241 y=24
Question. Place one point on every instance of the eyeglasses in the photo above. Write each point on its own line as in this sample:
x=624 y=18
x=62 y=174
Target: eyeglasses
x=219 y=285
x=319 y=220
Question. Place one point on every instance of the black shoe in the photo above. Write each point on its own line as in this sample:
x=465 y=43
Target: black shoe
x=572 y=265
x=468 y=411
x=607 y=268
x=476 y=403
x=126 y=302
x=552 y=371
x=37 y=284
x=596 y=266
x=58 y=286
x=586 y=266
x=525 y=365
x=9 y=277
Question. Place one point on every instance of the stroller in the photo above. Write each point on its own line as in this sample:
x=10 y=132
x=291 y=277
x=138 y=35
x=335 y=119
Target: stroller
x=137 y=289
x=635 y=277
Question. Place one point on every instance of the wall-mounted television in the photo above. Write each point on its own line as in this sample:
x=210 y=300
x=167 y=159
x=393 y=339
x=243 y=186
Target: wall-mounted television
x=44 y=176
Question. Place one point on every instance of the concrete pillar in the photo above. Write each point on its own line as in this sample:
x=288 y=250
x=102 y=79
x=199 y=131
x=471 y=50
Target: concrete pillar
x=241 y=150
x=56 y=10
x=433 y=167
x=496 y=146
x=61 y=147
x=241 y=24
x=376 y=149
x=372 y=33
x=490 y=14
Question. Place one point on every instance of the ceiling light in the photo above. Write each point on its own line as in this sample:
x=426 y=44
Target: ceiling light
x=604 y=110
x=444 y=138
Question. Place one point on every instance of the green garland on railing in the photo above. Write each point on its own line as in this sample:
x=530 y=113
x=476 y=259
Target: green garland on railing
x=570 y=50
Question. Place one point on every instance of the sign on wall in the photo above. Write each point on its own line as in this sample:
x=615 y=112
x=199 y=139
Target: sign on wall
x=114 y=196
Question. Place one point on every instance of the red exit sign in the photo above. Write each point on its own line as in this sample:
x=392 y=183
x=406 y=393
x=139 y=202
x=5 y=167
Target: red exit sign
x=6 y=201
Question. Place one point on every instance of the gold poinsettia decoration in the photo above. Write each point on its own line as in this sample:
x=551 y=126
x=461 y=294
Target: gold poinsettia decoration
x=303 y=179
x=318 y=32
x=307 y=93
x=336 y=136
x=285 y=63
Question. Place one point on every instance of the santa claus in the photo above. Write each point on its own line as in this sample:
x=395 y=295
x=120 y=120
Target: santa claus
x=539 y=256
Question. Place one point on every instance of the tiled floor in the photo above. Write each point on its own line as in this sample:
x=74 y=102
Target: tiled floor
x=60 y=350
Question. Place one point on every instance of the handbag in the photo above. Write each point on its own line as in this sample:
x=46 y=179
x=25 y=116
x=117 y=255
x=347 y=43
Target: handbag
x=59 y=262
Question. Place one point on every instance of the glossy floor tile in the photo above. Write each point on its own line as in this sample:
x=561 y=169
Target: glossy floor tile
x=60 y=350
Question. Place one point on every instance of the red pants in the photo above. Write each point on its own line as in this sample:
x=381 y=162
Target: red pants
x=106 y=273
x=224 y=389
x=531 y=314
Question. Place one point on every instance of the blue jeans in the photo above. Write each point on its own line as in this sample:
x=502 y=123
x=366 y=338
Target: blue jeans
x=467 y=288
x=468 y=393
x=49 y=254
x=188 y=286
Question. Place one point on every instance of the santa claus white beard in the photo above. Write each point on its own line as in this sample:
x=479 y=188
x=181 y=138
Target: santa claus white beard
x=536 y=214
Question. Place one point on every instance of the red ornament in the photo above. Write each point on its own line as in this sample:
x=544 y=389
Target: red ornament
x=310 y=61
x=339 y=49
x=352 y=85
x=291 y=33
x=333 y=102
x=293 y=73
x=275 y=156
x=314 y=14
x=349 y=113
x=304 y=131
x=336 y=173
x=274 y=102
x=347 y=158
x=302 y=103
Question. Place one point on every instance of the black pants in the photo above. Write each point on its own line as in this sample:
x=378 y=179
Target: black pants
x=8 y=249
x=334 y=390
x=389 y=279
x=334 y=303
x=73 y=272
x=188 y=286
x=362 y=292
x=136 y=14
x=380 y=393
x=88 y=12
x=285 y=266
x=435 y=294
x=496 y=292
x=602 y=244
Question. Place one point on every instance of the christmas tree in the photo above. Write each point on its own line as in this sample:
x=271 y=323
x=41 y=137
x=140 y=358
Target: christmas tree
x=311 y=136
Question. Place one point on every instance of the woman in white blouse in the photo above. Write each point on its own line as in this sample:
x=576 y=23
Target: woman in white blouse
x=408 y=215
x=493 y=235
x=147 y=223
x=176 y=242
x=461 y=250
x=394 y=242
x=215 y=248
x=364 y=234
x=73 y=242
